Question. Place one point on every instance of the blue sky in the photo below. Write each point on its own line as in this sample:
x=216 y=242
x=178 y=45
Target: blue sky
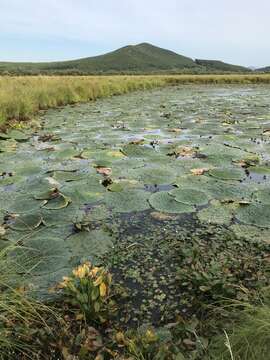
x=236 y=31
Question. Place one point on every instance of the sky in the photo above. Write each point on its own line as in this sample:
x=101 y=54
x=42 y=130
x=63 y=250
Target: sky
x=235 y=31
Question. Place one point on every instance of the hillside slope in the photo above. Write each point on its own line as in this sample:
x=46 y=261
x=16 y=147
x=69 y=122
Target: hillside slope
x=216 y=65
x=141 y=58
x=265 y=69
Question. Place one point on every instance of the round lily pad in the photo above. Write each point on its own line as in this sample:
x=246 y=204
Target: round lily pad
x=17 y=135
x=26 y=222
x=127 y=201
x=89 y=244
x=190 y=196
x=137 y=150
x=165 y=202
x=254 y=214
x=216 y=213
x=57 y=203
x=154 y=175
x=262 y=196
x=227 y=173
x=23 y=204
x=40 y=256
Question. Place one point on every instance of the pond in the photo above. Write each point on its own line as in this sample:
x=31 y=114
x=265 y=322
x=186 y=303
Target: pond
x=145 y=181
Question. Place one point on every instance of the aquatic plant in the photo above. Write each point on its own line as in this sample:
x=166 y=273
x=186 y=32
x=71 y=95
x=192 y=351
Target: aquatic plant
x=89 y=288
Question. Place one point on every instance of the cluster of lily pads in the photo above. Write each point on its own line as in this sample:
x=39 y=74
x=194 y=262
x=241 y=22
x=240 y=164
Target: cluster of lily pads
x=194 y=151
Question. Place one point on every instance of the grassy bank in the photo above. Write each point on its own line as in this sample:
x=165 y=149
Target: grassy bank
x=22 y=97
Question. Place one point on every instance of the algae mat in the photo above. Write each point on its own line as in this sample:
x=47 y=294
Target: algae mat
x=194 y=154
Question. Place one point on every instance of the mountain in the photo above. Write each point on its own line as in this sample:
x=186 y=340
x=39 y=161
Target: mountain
x=265 y=69
x=132 y=59
x=216 y=65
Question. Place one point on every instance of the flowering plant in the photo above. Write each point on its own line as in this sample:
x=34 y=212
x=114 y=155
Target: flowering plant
x=88 y=287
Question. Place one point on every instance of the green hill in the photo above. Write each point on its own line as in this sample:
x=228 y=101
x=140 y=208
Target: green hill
x=133 y=59
x=142 y=58
x=216 y=65
x=265 y=69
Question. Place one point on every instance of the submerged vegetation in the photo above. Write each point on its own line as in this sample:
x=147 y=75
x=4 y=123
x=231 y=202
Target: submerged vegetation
x=21 y=98
x=141 y=223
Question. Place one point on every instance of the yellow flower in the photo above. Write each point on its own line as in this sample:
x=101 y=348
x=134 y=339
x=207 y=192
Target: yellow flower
x=150 y=335
x=81 y=271
x=65 y=282
x=94 y=271
x=98 y=281
x=102 y=289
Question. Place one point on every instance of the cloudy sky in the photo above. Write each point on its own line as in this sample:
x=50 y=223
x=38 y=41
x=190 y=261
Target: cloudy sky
x=236 y=31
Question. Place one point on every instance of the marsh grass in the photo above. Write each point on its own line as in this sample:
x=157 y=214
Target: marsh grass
x=248 y=338
x=20 y=314
x=22 y=97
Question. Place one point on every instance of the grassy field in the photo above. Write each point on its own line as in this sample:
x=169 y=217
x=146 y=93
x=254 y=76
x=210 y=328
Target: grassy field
x=22 y=97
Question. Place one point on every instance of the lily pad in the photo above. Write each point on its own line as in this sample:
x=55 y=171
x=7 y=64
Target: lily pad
x=165 y=202
x=17 y=135
x=190 y=196
x=26 y=222
x=137 y=150
x=23 y=204
x=40 y=256
x=254 y=214
x=263 y=196
x=227 y=173
x=57 y=203
x=89 y=245
x=127 y=201
x=216 y=213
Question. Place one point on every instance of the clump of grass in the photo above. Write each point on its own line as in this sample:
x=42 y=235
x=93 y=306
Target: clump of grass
x=249 y=337
x=20 y=314
x=22 y=97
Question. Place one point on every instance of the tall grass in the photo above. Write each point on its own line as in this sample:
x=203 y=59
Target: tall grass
x=22 y=97
x=20 y=314
x=249 y=337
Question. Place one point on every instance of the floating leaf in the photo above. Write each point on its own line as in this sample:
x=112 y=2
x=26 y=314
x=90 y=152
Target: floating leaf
x=127 y=201
x=90 y=244
x=57 y=203
x=190 y=196
x=216 y=213
x=164 y=202
x=26 y=222
x=40 y=256
x=254 y=214
x=227 y=173
x=262 y=196
x=137 y=150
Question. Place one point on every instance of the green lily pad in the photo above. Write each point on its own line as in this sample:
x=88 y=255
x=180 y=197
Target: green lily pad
x=262 y=196
x=216 y=213
x=227 y=173
x=137 y=150
x=57 y=203
x=26 y=222
x=252 y=233
x=153 y=175
x=89 y=245
x=254 y=214
x=165 y=202
x=190 y=196
x=23 y=204
x=17 y=135
x=40 y=256
x=127 y=201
